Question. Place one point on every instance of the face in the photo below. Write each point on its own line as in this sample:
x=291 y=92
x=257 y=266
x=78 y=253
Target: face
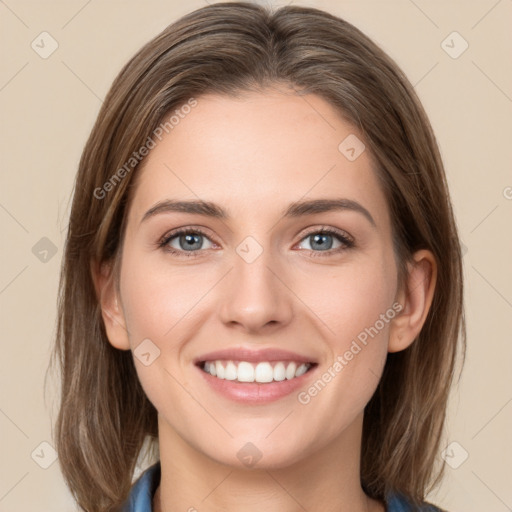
x=318 y=282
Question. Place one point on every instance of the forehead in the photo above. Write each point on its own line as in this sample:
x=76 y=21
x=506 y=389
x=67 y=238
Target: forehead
x=258 y=150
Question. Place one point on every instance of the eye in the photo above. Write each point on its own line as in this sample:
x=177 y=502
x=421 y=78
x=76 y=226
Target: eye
x=327 y=240
x=190 y=242
x=185 y=242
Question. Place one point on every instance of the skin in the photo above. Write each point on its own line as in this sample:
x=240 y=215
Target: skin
x=253 y=156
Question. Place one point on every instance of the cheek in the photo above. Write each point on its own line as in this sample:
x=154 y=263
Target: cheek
x=351 y=298
x=357 y=311
x=158 y=305
x=360 y=306
x=354 y=303
x=157 y=297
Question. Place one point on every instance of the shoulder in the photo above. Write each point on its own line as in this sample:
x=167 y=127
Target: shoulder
x=396 y=502
x=141 y=494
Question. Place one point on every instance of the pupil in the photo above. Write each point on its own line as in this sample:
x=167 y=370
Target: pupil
x=321 y=245
x=190 y=240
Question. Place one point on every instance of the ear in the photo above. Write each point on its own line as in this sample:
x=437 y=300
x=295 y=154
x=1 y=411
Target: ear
x=416 y=298
x=111 y=310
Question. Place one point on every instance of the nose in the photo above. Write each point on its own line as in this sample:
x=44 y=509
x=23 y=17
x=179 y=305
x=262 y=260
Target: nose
x=256 y=298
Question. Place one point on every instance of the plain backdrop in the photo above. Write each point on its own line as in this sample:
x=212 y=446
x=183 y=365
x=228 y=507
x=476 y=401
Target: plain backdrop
x=48 y=105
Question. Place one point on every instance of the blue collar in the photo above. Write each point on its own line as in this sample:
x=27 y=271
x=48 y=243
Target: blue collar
x=141 y=495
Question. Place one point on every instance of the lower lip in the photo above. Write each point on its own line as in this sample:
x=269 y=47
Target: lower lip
x=254 y=392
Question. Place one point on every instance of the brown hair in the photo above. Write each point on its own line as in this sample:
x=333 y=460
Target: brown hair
x=227 y=48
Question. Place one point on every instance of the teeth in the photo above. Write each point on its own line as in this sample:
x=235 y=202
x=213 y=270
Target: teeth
x=290 y=371
x=220 y=370
x=245 y=372
x=261 y=372
x=230 y=373
x=279 y=372
x=301 y=370
x=264 y=373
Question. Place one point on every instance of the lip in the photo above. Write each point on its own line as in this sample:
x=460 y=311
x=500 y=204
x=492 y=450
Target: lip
x=253 y=392
x=254 y=356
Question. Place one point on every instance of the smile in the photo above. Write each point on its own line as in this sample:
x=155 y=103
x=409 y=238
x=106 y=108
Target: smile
x=262 y=372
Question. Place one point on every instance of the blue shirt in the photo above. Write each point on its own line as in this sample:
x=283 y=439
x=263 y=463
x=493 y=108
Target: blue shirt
x=141 y=496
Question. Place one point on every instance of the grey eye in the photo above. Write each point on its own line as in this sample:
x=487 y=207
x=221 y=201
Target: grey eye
x=189 y=241
x=321 y=241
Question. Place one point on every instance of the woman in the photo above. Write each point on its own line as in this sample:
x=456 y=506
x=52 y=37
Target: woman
x=262 y=273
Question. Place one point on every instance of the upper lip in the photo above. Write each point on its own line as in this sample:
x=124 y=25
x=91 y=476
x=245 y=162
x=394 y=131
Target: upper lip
x=250 y=355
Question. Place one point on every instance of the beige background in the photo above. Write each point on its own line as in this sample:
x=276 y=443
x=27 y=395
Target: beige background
x=48 y=107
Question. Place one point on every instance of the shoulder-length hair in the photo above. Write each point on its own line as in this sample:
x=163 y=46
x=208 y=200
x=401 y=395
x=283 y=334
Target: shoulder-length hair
x=228 y=48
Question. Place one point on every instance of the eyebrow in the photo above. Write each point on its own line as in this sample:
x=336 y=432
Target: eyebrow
x=296 y=209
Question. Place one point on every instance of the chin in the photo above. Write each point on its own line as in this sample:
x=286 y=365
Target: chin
x=260 y=455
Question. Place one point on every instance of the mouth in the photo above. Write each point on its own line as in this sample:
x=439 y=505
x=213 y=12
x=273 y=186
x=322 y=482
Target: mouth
x=262 y=372
x=253 y=377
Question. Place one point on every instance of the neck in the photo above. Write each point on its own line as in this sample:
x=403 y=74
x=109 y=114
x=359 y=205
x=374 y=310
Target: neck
x=326 y=480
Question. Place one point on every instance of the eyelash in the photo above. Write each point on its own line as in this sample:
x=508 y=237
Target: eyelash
x=343 y=238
